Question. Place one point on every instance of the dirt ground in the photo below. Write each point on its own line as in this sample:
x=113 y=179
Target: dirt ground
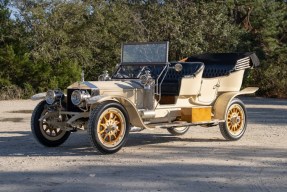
x=201 y=160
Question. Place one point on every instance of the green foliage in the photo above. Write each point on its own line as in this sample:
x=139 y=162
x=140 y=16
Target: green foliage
x=191 y=27
x=267 y=36
x=47 y=43
x=13 y=55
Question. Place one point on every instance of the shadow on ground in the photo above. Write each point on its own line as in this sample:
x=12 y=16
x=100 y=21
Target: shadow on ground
x=23 y=144
x=14 y=120
x=263 y=114
x=153 y=177
x=170 y=168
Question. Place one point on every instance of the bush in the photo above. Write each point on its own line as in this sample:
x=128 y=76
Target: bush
x=11 y=92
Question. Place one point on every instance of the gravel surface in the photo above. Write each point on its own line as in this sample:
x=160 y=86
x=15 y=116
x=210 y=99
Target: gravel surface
x=201 y=160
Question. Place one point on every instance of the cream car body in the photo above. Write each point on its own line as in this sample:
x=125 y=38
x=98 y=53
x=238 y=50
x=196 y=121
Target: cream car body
x=148 y=94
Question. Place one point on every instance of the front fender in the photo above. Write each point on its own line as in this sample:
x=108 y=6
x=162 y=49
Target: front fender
x=135 y=118
x=223 y=101
x=39 y=96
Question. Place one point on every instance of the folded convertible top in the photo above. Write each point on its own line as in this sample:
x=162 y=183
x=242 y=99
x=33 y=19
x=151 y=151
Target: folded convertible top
x=221 y=64
x=238 y=60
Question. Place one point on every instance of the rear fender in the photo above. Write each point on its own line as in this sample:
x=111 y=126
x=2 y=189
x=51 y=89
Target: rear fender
x=134 y=116
x=222 y=102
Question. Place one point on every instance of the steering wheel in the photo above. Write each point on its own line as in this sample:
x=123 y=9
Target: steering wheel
x=142 y=71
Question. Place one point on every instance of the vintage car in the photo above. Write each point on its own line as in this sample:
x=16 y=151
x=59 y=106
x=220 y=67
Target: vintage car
x=148 y=92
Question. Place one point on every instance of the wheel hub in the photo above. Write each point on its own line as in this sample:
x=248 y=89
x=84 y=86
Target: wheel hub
x=111 y=128
x=235 y=120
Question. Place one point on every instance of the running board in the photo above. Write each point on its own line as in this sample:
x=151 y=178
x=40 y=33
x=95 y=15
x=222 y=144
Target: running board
x=136 y=129
x=186 y=124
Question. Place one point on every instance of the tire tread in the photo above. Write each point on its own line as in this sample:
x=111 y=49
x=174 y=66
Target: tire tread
x=35 y=128
x=92 y=122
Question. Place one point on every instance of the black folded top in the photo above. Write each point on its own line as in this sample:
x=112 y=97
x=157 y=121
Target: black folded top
x=220 y=64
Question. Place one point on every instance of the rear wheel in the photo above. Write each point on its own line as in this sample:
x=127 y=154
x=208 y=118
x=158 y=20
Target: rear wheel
x=235 y=121
x=108 y=127
x=177 y=130
x=46 y=132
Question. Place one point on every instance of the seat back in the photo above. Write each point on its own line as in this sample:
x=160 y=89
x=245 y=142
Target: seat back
x=172 y=81
x=212 y=70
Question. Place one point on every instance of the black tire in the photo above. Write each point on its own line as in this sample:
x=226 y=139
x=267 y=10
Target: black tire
x=39 y=132
x=108 y=135
x=177 y=131
x=235 y=123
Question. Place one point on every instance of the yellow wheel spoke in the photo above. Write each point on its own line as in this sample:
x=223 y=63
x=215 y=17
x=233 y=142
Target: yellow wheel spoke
x=106 y=135
x=104 y=125
x=102 y=131
x=113 y=134
x=111 y=115
x=110 y=138
x=114 y=118
x=117 y=129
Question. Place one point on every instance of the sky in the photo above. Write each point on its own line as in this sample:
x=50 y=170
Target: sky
x=14 y=12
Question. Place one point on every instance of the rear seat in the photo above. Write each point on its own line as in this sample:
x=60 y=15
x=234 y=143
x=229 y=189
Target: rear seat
x=222 y=64
x=211 y=71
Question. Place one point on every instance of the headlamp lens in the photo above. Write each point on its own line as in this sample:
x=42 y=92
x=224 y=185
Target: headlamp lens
x=76 y=97
x=50 y=97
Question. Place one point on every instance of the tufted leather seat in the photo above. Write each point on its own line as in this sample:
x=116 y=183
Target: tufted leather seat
x=172 y=81
x=217 y=70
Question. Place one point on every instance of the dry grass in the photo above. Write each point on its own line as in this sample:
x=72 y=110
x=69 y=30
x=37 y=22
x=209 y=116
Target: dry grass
x=14 y=92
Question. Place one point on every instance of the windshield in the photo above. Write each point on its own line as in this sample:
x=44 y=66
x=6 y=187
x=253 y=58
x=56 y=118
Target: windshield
x=135 y=71
x=145 y=53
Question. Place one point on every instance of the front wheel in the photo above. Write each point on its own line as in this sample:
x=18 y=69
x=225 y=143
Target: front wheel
x=177 y=130
x=108 y=127
x=46 y=132
x=235 y=121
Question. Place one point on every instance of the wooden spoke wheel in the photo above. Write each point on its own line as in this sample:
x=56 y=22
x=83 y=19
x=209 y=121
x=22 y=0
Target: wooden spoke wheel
x=48 y=128
x=235 y=121
x=111 y=127
x=47 y=132
x=108 y=127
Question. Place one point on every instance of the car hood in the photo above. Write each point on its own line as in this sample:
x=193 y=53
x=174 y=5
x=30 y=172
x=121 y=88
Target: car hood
x=104 y=86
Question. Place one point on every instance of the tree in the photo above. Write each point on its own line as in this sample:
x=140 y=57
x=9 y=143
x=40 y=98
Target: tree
x=266 y=35
x=48 y=42
x=13 y=53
